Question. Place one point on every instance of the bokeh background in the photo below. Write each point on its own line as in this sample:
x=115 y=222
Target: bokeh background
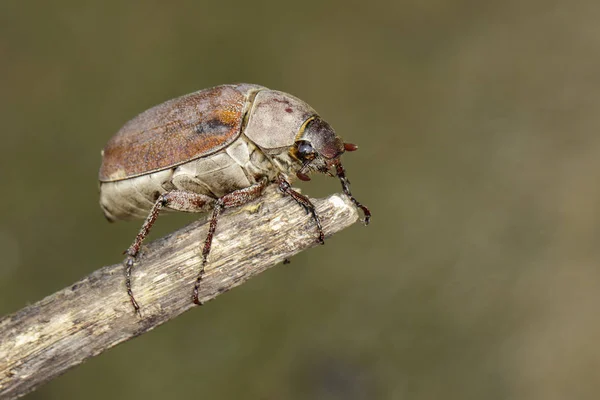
x=478 y=125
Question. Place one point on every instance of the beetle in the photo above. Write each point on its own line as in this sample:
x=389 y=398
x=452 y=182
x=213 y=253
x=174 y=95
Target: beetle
x=214 y=149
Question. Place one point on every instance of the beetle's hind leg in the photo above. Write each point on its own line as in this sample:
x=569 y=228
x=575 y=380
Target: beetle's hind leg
x=308 y=206
x=176 y=200
x=233 y=199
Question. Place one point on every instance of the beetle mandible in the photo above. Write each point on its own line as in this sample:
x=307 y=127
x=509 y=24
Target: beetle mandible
x=211 y=150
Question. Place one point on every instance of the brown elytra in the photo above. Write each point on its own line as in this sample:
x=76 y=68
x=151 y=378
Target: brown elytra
x=175 y=132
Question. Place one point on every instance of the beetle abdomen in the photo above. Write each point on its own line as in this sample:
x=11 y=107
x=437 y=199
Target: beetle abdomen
x=177 y=131
x=132 y=198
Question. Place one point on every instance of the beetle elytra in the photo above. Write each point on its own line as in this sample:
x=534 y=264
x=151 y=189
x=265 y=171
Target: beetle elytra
x=211 y=150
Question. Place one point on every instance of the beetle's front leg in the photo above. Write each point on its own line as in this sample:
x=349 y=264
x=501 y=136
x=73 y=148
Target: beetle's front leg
x=176 y=200
x=233 y=199
x=341 y=173
x=308 y=206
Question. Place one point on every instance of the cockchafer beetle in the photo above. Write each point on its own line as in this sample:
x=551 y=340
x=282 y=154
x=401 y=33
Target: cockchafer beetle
x=214 y=149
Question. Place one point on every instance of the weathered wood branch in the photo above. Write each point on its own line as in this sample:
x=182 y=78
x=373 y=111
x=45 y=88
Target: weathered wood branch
x=61 y=331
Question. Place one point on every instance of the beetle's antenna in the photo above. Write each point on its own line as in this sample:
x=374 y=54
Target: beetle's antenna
x=341 y=173
x=350 y=147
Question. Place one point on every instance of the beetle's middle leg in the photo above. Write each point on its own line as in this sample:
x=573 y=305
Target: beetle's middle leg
x=236 y=198
x=177 y=200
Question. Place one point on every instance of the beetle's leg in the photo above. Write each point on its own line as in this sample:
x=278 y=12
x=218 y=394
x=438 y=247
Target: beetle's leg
x=341 y=173
x=176 y=200
x=309 y=207
x=233 y=199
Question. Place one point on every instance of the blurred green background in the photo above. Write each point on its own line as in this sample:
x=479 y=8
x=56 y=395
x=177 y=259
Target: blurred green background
x=479 y=156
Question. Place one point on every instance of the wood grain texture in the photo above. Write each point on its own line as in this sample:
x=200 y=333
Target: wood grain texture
x=45 y=339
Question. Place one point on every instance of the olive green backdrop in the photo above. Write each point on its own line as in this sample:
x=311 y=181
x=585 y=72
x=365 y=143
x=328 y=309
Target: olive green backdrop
x=478 y=125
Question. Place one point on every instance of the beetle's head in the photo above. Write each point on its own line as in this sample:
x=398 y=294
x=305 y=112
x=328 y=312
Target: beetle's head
x=318 y=148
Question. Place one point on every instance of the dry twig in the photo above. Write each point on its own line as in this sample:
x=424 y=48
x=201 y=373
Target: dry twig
x=45 y=339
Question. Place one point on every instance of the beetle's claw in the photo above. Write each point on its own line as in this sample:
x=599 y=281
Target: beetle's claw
x=196 y=300
x=321 y=238
x=136 y=307
x=366 y=213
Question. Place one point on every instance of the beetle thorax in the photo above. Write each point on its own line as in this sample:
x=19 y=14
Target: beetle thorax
x=284 y=162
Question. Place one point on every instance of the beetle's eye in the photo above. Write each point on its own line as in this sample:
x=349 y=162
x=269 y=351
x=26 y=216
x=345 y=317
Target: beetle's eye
x=305 y=150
